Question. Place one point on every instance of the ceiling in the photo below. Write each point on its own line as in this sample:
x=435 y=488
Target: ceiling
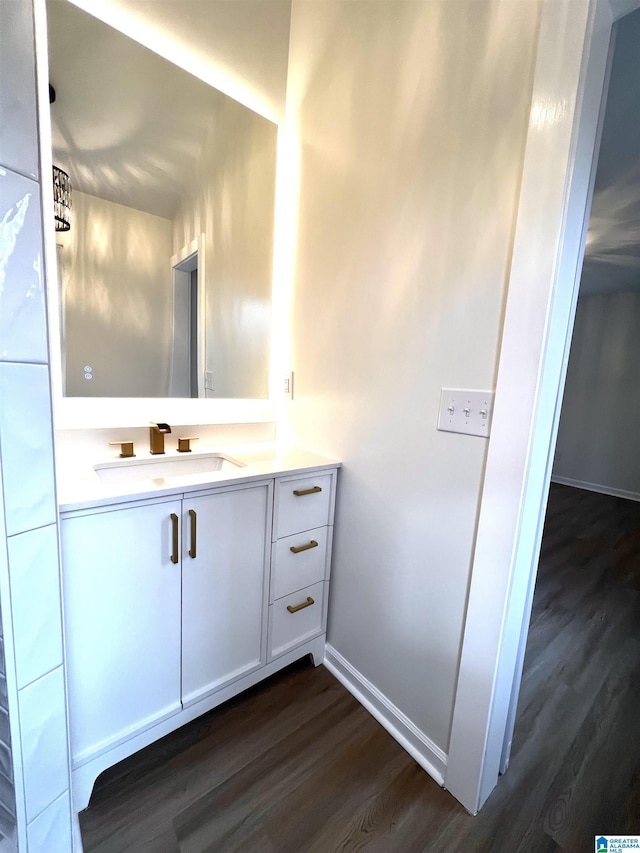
x=612 y=253
x=127 y=124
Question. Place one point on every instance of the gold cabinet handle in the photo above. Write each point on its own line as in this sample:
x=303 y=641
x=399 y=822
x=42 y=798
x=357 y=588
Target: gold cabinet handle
x=300 y=493
x=296 y=550
x=174 y=555
x=192 y=550
x=304 y=604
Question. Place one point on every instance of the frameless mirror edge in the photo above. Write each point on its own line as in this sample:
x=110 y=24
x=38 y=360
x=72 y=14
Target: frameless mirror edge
x=103 y=413
x=92 y=413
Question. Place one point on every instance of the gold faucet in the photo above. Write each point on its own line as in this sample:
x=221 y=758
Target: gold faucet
x=157 y=432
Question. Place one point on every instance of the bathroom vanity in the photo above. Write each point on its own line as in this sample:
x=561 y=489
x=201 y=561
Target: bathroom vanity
x=184 y=589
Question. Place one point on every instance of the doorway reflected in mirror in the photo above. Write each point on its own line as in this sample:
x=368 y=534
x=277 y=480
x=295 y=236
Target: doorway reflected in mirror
x=158 y=159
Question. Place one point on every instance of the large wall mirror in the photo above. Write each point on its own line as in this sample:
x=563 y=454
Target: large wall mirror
x=165 y=274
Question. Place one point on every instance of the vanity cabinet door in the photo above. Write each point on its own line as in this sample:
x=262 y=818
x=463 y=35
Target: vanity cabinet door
x=224 y=588
x=122 y=622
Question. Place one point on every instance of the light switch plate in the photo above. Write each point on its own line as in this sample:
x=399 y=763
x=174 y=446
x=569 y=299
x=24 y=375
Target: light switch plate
x=466 y=411
x=288 y=385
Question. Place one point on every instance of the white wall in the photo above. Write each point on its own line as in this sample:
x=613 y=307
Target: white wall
x=115 y=265
x=599 y=435
x=231 y=201
x=411 y=118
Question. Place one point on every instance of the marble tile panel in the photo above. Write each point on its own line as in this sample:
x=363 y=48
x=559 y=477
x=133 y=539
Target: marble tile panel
x=6 y=765
x=50 y=832
x=26 y=447
x=4 y=573
x=44 y=741
x=5 y=730
x=9 y=830
x=23 y=327
x=7 y=794
x=35 y=602
x=18 y=128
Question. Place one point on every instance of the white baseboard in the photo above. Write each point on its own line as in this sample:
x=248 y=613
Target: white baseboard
x=596 y=487
x=421 y=748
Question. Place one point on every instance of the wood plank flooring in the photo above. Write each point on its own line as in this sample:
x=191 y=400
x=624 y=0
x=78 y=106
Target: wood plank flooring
x=296 y=765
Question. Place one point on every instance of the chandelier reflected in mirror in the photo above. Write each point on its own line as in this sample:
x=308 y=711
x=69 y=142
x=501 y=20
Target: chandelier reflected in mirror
x=61 y=199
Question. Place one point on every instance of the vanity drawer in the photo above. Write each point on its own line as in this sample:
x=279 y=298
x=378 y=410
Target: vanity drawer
x=307 y=564
x=287 y=629
x=302 y=504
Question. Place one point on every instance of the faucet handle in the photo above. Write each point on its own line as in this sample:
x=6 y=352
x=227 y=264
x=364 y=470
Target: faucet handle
x=126 y=447
x=183 y=443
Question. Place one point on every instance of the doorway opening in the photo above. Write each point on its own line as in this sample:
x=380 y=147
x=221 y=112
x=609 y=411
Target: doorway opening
x=184 y=373
x=569 y=81
x=187 y=356
x=596 y=445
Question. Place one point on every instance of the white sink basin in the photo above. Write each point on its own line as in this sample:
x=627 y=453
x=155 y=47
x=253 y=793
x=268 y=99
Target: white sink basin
x=170 y=467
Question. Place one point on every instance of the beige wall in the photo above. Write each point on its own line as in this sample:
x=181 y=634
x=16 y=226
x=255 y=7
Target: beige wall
x=231 y=201
x=115 y=264
x=411 y=119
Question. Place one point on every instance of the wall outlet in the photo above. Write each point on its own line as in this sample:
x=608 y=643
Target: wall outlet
x=288 y=385
x=208 y=380
x=466 y=411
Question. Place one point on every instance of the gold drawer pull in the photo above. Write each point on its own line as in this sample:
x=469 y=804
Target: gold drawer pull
x=312 y=544
x=304 y=604
x=300 y=493
x=174 y=552
x=192 y=516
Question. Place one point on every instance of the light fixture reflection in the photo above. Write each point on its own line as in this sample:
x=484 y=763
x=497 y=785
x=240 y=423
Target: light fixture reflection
x=61 y=199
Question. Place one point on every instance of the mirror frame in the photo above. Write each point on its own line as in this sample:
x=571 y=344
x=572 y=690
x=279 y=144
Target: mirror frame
x=110 y=412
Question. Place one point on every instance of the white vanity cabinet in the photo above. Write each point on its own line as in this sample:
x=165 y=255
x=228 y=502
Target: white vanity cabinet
x=122 y=622
x=224 y=586
x=300 y=559
x=155 y=620
x=173 y=604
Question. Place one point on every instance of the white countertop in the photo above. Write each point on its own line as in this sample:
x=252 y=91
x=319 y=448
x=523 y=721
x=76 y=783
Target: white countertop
x=79 y=486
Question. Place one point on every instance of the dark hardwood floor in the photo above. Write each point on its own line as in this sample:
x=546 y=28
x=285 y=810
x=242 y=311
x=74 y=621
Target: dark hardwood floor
x=296 y=765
